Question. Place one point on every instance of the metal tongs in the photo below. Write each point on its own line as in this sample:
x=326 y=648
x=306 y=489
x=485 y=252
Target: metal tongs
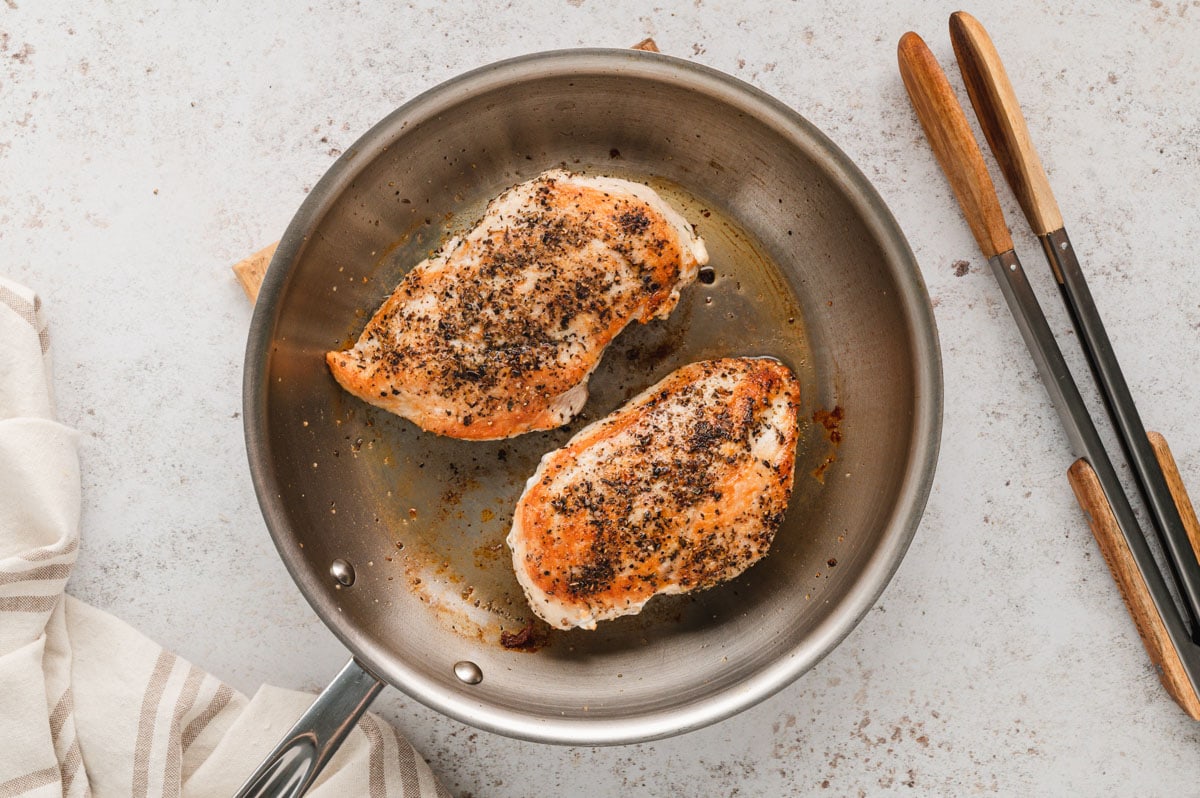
x=1168 y=628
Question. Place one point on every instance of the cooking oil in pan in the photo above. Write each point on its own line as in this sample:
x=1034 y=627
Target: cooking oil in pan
x=448 y=504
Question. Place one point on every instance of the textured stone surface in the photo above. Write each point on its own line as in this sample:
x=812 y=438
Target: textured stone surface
x=142 y=151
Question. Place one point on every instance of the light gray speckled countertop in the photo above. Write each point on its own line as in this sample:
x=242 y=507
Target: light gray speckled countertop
x=144 y=150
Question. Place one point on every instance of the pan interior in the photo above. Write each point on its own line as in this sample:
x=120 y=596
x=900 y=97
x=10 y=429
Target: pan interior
x=802 y=273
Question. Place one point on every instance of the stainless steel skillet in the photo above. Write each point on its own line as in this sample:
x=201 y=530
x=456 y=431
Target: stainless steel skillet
x=395 y=536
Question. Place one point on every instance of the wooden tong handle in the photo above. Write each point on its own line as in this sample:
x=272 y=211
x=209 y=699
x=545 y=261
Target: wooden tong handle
x=953 y=144
x=1187 y=513
x=1125 y=573
x=1003 y=123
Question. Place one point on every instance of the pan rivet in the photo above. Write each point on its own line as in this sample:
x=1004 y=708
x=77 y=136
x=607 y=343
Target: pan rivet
x=468 y=672
x=343 y=572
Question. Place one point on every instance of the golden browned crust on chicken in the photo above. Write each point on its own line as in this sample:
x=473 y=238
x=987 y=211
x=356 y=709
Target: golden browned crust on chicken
x=678 y=490
x=497 y=334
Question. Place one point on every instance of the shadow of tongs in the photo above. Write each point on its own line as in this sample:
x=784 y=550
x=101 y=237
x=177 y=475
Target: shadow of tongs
x=1168 y=628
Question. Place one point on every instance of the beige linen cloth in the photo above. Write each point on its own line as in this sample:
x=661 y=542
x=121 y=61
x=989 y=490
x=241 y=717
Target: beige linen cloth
x=88 y=705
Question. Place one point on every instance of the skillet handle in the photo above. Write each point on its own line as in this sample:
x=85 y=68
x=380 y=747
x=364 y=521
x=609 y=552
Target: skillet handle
x=292 y=767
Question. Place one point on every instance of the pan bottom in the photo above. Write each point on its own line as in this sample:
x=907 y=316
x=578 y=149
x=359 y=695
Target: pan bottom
x=447 y=505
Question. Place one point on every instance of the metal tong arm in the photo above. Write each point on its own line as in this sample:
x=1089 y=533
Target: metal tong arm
x=1007 y=133
x=1163 y=629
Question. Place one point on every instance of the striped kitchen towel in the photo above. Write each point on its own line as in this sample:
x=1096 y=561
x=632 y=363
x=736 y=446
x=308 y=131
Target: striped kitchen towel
x=88 y=705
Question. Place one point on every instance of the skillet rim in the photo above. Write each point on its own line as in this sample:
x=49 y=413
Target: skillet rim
x=905 y=515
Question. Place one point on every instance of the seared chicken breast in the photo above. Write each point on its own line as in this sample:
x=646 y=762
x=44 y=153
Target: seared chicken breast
x=680 y=489
x=497 y=333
